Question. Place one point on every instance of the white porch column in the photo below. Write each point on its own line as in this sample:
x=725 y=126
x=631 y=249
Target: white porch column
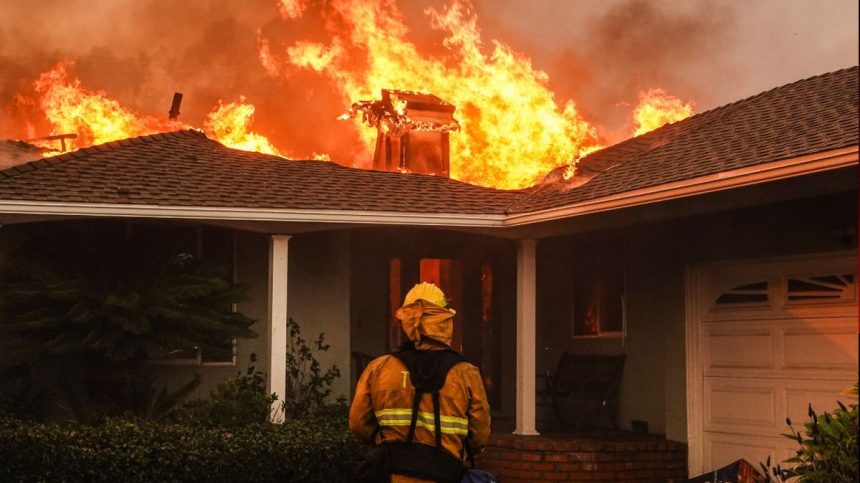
x=526 y=363
x=277 y=373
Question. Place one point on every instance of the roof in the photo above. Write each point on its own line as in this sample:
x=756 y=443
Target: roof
x=186 y=169
x=17 y=152
x=808 y=116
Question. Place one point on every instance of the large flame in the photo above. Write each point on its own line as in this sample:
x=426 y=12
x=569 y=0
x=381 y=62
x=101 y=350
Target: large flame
x=92 y=115
x=513 y=129
x=97 y=118
x=229 y=124
x=656 y=108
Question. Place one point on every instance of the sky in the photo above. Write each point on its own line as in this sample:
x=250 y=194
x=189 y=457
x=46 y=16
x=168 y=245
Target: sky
x=599 y=54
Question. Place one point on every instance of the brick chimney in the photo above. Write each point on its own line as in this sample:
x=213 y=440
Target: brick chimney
x=412 y=132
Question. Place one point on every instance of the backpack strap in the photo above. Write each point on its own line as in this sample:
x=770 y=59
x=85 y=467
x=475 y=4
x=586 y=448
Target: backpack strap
x=437 y=419
x=428 y=371
x=416 y=401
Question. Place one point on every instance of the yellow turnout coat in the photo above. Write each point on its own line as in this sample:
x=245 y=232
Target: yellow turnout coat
x=382 y=406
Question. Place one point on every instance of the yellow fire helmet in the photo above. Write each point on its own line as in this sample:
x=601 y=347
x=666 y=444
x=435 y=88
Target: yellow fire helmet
x=426 y=291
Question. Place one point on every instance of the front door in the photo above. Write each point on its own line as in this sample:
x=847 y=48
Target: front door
x=468 y=287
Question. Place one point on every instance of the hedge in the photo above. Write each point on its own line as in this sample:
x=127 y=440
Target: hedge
x=130 y=451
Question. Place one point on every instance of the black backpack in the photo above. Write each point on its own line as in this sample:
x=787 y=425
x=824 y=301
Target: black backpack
x=427 y=370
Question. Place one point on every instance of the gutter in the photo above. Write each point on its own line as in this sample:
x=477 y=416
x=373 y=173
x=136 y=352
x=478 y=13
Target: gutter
x=249 y=214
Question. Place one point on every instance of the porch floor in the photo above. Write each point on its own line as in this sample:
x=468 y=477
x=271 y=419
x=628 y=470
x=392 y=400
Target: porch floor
x=595 y=455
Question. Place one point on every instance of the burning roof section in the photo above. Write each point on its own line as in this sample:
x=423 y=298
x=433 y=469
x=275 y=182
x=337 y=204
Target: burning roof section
x=399 y=112
x=13 y=153
x=805 y=117
x=185 y=168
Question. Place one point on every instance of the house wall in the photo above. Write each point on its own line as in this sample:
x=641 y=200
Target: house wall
x=654 y=385
x=252 y=271
x=319 y=297
x=319 y=294
x=318 y=300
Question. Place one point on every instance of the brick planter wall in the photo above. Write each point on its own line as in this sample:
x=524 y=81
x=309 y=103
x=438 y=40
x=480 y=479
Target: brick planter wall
x=617 y=458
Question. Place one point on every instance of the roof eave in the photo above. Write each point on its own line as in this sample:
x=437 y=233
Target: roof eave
x=350 y=217
x=787 y=168
x=746 y=176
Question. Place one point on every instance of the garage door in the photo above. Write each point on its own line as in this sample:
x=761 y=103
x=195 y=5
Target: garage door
x=770 y=337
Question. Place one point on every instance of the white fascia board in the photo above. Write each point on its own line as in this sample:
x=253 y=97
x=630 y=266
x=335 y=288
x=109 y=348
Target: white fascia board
x=751 y=175
x=248 y=214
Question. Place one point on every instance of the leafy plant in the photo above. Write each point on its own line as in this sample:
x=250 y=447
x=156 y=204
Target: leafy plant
x=828 y=448
x=299 y=450
x=236 y=402
x=19 y=397
x=92 y=309
x=308 y=386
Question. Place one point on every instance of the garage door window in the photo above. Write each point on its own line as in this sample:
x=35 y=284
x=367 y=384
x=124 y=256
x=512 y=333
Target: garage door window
x=826 y=288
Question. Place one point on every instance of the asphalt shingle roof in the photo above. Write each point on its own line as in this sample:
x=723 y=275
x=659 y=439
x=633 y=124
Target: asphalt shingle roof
x=185 y=168
x=806 y=117
x=17 y=152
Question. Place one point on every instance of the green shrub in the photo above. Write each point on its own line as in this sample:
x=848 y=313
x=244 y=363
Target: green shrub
x=236 y=402
x=308 y=386
x=315 y=449
x=19 y=396
x=89 y=306
x=827 y=448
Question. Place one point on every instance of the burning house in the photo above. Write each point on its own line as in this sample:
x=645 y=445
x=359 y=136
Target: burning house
x=717 y=254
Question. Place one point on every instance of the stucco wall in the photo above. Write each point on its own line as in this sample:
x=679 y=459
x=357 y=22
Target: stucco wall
x=318 y=300
x=251 y=266
x=319 y=296
x=654 y=383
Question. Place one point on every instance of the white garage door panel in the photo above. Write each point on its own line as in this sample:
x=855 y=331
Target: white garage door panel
x=740 y=350
x=821 y=394
x=770 y=341
x=831 y=347
x=721 y=450
x=723 y=397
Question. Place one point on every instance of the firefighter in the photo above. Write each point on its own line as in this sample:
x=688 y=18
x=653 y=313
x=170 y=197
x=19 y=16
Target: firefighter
x=452 y=421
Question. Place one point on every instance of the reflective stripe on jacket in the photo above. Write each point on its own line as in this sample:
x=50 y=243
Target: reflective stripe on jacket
x=384 y=396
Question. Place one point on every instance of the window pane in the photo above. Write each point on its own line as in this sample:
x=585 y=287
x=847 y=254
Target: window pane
x=586 y=307
x=218 y=354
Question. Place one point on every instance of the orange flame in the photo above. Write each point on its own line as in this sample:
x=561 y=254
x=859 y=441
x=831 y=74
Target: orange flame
x=229 y=124
x=92 y=115
x=97 y=118
x=657 y=108
x=513 y=129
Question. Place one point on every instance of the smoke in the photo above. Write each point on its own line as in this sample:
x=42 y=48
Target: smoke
x=637 y=45
x=599 y=54
x=140 y=52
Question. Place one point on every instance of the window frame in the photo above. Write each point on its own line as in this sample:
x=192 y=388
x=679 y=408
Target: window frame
x=197 y=360
x=598 y=274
